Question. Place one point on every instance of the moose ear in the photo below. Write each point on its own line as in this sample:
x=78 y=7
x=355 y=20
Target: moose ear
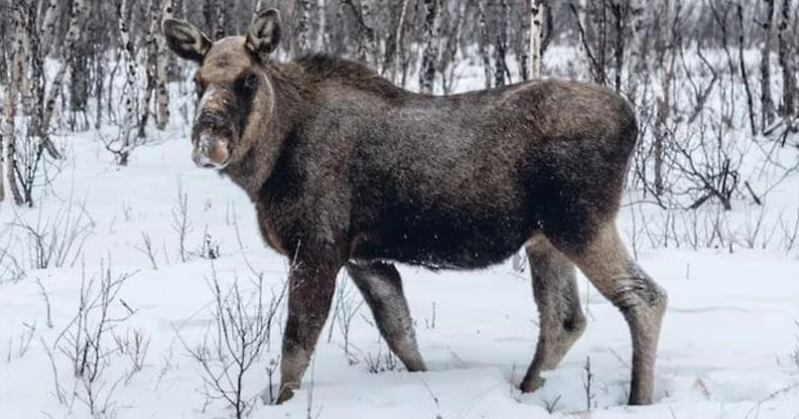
x=263 y=35
x=185 y=40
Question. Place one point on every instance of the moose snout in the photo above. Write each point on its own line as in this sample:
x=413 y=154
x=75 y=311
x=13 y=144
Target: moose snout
x=210 y=150
x=211 y=137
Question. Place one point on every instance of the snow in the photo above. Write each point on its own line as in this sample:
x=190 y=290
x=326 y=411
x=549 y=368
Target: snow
x=729 y=346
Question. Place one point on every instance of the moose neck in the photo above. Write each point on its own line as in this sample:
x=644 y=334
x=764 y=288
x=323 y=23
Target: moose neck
x=272 y=121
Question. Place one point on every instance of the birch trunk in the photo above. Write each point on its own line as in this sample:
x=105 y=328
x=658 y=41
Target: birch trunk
x=582 y=21
x=637 y=49
x=536 y=32
x=397 y=59
x=766 y=102
x=162 y=113
x=501 y=45
x=789 y=90
x=484 y=43
x=620 y=10
x=368 y=27
x=26 y=100
x=744 y=73
x=302 y=30
x=10 y=106
x=427 y=73
x=130 y=77
x=322 y=24
x=222 y=21
x=150 y=64
x=666 y=63
x=51 y=13
x=72 y=38
x=451 y=50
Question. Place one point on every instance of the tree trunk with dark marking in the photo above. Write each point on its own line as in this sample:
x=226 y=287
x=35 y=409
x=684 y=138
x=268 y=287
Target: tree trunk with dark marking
x=766 y=102
x=161 y=69
x=789 y=88
x=427 y=73
x=536 y=37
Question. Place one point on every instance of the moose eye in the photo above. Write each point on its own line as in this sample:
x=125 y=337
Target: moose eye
x=246 y=84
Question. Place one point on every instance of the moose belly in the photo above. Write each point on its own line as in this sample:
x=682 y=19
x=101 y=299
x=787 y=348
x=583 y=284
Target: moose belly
x=453 y=241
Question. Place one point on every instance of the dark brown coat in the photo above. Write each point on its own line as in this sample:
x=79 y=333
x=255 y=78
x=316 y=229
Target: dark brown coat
x=348 y=170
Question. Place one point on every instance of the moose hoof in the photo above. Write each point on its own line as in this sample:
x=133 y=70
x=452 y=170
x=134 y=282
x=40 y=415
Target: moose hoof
x=639 y=400
x=530 y=385
x=285 y=394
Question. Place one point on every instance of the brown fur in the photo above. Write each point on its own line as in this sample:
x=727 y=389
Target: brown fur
x=348 y=170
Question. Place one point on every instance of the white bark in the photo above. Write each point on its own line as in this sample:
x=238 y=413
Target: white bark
x=637 y=44
x=320 y=34
x=162 y=113
x=484 y=43
x=25 y=85
x=667 y=58
x=302 y=30
x=766 y=102
x=582 y=19
x=399 y=62
x=536 y=34
x=451 y=52
x=51 y=14
x=427 y=73
x=17 y=71
x=73 y=36
x=789 y=76
x=371 y=41
x=130 y=76
x=150 y=64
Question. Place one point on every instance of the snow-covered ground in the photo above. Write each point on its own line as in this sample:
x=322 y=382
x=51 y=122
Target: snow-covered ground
x=729 y=346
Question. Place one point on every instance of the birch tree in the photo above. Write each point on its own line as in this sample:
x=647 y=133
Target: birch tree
x=400 y=54
x=484 y=43
x=666 y=62
x=366 y=44
x=150 y=64
x=500 y=23
x=222 y=20
x=451 y=48
x=73 y=37
x=123 y=18
x=766 y=102
x=637 y=54
x=536 y=37
x=51 y=13
x=302 y=27
x=161 y=70
x=789 y=88
x=17 y=71
x=322 y=23
x=432 y=22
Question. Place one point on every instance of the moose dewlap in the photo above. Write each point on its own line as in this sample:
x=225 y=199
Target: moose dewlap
x=347 y=170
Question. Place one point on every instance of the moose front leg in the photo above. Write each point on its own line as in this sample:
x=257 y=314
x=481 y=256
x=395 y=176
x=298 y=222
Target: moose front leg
x=311 y=287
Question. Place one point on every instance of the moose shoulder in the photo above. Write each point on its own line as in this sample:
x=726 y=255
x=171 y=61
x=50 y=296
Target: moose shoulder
x=348 y=170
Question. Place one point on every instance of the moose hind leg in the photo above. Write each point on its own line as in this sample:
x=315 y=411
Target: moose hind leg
x=608 y=265
x=561 y=318
x=381 y=287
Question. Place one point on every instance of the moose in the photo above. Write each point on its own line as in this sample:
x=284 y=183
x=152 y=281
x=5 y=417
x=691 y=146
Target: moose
x=347 y=170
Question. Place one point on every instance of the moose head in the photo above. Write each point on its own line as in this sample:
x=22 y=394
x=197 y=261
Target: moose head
x=230 y=83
